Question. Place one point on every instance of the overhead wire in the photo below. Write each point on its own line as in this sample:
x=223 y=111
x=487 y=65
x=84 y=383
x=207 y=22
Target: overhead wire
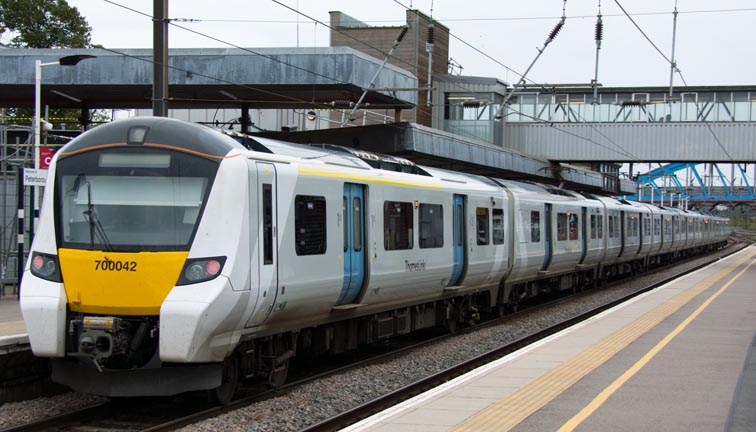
x=258 y=89
x=324 y=106
x=543 y=87
x=277 y=60
x=371 y=46
x=360 y=41
x=373 y=105
x=682 y=77
x=451 y=19
x=251 y=51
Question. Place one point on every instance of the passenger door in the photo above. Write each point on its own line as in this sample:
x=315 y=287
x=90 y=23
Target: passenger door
x=353 y=221
x=267 y=244
x=548 y=237
x=584 y=236
x=458 y=210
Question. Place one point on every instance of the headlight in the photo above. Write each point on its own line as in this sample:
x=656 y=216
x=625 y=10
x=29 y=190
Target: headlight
x=201 y=270
x=45 y=266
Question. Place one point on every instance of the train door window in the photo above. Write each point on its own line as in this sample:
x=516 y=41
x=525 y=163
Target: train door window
x=594 y=220
x=657 y=226
x=397 y=225
x=460 y=223
x=600 y=226
x=632 y=226
x=573 y=225
x=431 y=226
x=357 y=223
x=561 y=226
x=611 y=226
x=535 y=226
x=646 y=226
x=310 y=225
x=344 y=222
x=614 y=227
x=497 y=216
x=267 y=205
x=481 y=225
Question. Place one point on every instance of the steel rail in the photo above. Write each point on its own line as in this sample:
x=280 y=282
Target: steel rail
x=383 y=402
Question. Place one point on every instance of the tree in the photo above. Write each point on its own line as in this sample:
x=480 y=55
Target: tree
x=43 y=24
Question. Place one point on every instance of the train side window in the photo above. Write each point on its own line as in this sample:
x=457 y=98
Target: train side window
x=561 y=226
x=535 y=226
x=573 y=221
x=267 y=209
x=431 y=226
x=357 y=223
x=498 y=226
x=310 y=225
x=344 y=223
x=397 y=225
x=481 y=225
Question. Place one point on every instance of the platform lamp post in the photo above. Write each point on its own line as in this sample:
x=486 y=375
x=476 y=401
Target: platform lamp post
x=38 y=65
x=71 y=60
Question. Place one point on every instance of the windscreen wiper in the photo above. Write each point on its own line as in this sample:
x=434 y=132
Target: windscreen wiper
x=95 y=226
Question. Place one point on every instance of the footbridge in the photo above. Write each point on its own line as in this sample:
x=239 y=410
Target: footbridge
x=627 y=125
x=704 y=138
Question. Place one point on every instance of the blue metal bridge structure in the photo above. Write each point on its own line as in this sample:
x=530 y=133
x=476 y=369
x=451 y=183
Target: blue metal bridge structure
x=727 y=192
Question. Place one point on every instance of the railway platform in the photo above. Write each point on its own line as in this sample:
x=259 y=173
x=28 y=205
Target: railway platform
x=679 y=358
x=13 y=335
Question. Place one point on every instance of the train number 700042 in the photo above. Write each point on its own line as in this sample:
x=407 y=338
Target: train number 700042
x=109 y=265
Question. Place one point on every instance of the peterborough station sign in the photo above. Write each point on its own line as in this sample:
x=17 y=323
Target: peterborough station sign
x=35 y=177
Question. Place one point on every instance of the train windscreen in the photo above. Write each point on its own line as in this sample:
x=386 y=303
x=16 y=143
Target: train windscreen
x=131 y=199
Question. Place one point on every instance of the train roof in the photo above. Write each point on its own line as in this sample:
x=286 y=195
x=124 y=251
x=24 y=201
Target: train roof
x=138 y=131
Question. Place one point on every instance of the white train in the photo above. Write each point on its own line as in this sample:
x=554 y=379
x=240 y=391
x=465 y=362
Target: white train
x=170 y=258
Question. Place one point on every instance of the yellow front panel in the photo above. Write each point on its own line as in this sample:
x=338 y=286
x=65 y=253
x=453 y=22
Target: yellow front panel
x=119 y=283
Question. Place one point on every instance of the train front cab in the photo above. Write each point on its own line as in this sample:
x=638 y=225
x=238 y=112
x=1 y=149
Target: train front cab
x=121 y=219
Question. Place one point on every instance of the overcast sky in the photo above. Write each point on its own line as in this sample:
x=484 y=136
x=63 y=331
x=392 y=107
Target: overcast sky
x=714 y=39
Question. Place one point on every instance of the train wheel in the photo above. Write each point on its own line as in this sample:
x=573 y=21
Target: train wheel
x=453 y=316
x=514 y=299
x=223 y=394
x=282 y=352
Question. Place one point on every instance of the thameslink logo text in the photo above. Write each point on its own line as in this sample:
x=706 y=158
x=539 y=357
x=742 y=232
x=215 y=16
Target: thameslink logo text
x=415 y=266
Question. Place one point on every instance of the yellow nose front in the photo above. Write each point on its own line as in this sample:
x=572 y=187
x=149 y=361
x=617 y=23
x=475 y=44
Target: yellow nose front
x=119 y=283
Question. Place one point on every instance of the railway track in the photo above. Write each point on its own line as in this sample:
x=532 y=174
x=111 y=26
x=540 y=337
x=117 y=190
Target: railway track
x=170 y=414
x=381 y=403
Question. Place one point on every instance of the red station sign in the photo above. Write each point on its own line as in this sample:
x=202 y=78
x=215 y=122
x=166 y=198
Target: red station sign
x=45 y=157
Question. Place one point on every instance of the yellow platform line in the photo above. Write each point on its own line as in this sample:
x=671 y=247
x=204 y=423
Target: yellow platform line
x=12 y=324
x=510 y=411
x=619 y=382
x=12 y=328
